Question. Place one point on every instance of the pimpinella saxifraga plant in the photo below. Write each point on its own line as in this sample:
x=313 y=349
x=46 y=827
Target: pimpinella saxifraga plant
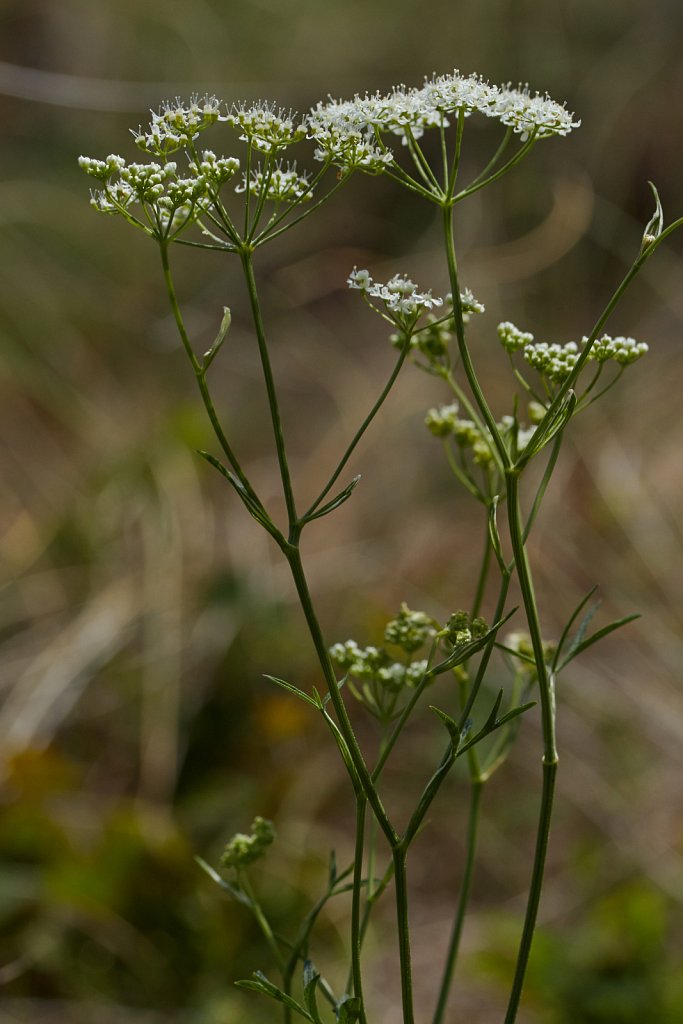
x=279 y=169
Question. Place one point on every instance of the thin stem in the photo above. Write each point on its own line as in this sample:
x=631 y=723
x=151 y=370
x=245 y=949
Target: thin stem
x=356 y=938
x=546 y=689
x=483 y=574
x=503 y=458
x=482 y=182
x=632 y=272
x=463 y=900
x=403 y=930
x=363 y=778
x=405 y=348
x=549 y=773
x=201 y=378
x=262 y=922
x=247 y=265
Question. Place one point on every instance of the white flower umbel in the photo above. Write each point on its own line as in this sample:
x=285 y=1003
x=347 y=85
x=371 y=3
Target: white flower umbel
x=622 y=350
x=267 y=127
x=401 y=300
x=346 y=137
x=528 y=115
x=177 y=123
x=282 y=184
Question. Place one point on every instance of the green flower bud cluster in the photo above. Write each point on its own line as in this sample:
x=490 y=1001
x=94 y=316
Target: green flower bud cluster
x=409 y=630
x=462 y=629
x=374 y=676
x=245 y=849
x=375 y=665
x=445 y=422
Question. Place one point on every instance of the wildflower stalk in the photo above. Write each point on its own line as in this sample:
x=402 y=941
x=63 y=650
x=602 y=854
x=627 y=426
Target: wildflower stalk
x=248 y=268
x=200 y=375
x=356 y=922
x=503 y=458
x=546 y=690
x=476 y=789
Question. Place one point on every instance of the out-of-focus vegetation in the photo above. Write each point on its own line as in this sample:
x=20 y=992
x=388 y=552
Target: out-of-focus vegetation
x=140 y=608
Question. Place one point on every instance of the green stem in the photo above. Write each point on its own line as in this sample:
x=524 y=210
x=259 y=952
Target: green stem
x=201 y=378
x=463 y=900
x=262 y=922
x=546 y=689
x=356 y=937
x=247 y=265
x=503 y=457
x=363 y=777
x=405 y=348
x=403 y=928
x=632 y=272
x=549 y=773
x=483 y=575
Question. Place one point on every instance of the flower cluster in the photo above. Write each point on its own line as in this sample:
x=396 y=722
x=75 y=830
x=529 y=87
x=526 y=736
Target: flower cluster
x=265 y=126
x=535 y=115
x=374 y=676
x=344 y=136
x=340 y=125
x=374 y=664
x=462 y=629
x=553 y=361
x=511 y=338
x=170 y=202
x=245 y=849
x=445 y=422
x=282 y=184
x=409 y=630
x=216 y=169
x=176 y=124
x=434 y=338
x=622 y=350
x=399 y=296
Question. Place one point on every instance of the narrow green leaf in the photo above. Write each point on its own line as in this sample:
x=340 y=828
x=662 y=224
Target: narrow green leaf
x=259 y=983
x=311 y=979
x=233 y=890
x=253 y=507
x=494 y=535
x=542 y=437
x=493 y=723
x=332 y=870
x=570 y=622
x=220 y=338
x=293 y=689
x=334 y=503
x=593 y=639
x=583 y=627
x=450 y=724
x=655 y=225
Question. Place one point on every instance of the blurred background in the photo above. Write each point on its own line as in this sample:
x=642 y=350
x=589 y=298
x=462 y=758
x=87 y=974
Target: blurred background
x=140 y=607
